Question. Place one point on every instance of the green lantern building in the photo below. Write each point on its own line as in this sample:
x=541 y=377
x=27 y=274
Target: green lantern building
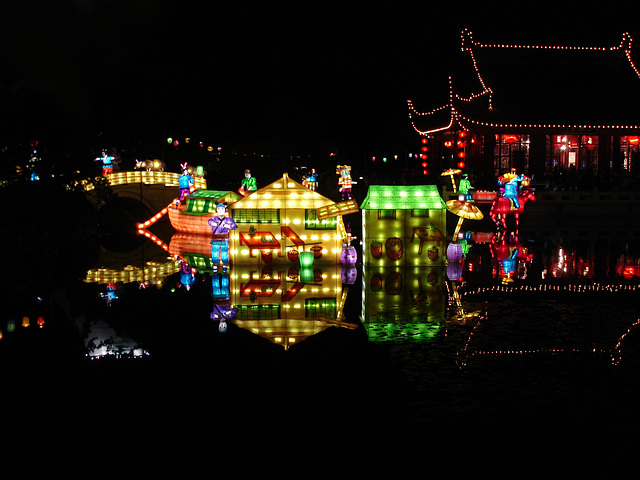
x=404 y=226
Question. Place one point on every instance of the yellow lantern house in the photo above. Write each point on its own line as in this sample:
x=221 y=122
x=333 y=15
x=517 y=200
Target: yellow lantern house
x=280 y=221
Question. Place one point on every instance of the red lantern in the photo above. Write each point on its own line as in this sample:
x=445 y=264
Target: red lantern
x=461 y=165
x=634 y=140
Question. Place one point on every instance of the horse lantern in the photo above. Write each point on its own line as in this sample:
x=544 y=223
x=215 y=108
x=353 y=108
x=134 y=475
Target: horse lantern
x=501 y=207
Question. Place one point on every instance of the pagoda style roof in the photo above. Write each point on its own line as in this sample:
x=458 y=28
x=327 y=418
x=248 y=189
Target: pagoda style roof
x=403 y=197
x=524 y=87
x=283 y=193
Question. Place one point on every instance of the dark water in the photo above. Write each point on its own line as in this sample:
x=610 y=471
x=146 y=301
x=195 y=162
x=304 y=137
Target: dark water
x=534 y=375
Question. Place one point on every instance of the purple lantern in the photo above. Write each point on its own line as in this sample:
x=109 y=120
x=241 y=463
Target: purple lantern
x=348 y=255
x=454 y=252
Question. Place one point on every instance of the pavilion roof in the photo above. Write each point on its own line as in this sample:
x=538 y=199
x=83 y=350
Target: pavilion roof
x=517 y=87
x=283 y=193
x=403 y=197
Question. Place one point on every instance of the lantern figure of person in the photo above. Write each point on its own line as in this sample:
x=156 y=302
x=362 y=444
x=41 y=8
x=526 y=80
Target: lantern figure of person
x=310 y=180
x=511 y=182
x=186 y=276
x=248 y=184
x=222 y=310
x=110 y=294
x=220 y=225
x=107 y=162
x=344 y=181
x=185 y=181
x=464 y=189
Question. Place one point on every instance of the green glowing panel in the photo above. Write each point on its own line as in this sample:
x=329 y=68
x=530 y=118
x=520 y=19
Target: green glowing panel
x=405 y=197
x=399 y=332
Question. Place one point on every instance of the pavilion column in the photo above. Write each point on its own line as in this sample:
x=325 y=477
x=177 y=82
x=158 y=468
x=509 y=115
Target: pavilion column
x=604 y=157
x=537 y=156
x=486 y=161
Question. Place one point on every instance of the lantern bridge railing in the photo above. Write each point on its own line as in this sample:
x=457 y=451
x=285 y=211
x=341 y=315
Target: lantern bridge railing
x=168 y=179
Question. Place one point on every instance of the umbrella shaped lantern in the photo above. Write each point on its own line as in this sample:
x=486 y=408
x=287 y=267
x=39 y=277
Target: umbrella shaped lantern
x=451 y=172
x=463 y=210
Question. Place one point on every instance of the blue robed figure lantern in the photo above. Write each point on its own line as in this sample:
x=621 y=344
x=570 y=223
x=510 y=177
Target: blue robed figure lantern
x=107 y=162
x=185 y=181
x=221 y=224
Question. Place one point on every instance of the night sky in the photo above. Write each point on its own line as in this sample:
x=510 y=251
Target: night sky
x=316 y=80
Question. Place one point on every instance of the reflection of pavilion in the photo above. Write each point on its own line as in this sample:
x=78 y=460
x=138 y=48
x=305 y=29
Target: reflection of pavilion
x=287 y=305
x=403 y=303
x=282 y=303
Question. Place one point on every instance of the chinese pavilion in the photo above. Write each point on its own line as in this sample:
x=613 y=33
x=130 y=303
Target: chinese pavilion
x=536 y=108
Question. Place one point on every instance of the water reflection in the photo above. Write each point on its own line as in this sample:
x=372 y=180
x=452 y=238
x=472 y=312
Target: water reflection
x=501 y=298
x=403 y=303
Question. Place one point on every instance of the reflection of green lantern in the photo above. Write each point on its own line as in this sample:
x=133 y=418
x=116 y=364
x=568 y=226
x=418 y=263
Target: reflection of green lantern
x=306 y=275
x=306 y=259
x=11 y=326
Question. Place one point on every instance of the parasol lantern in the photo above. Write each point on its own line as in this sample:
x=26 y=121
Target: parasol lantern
x=463 y=210
x=451 y=172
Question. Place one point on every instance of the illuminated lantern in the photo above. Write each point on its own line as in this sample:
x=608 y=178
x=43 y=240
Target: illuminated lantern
x=348 y=274
x=11 y=326
x=454 y=271
x=451 y=172
x=306 y=274
x=376 y=249
x=634 y=140
x=25 y=321
x=393 y=248
x=454 y=252
x=461 y=165
x=41 y=322
x=0 y=334
x=510 y=138
x=266 y=256
x=306 y=259
x=348 y=255
x=293 y=255
x=317 y=251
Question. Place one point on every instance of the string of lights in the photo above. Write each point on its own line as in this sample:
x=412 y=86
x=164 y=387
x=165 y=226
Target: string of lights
x=468 y=44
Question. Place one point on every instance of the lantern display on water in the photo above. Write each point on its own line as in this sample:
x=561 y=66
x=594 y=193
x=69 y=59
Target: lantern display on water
x=348 y=274
x=306 y=275
x=348 y=255
x=454 y=252
x=454 y=271
x=306 y=259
